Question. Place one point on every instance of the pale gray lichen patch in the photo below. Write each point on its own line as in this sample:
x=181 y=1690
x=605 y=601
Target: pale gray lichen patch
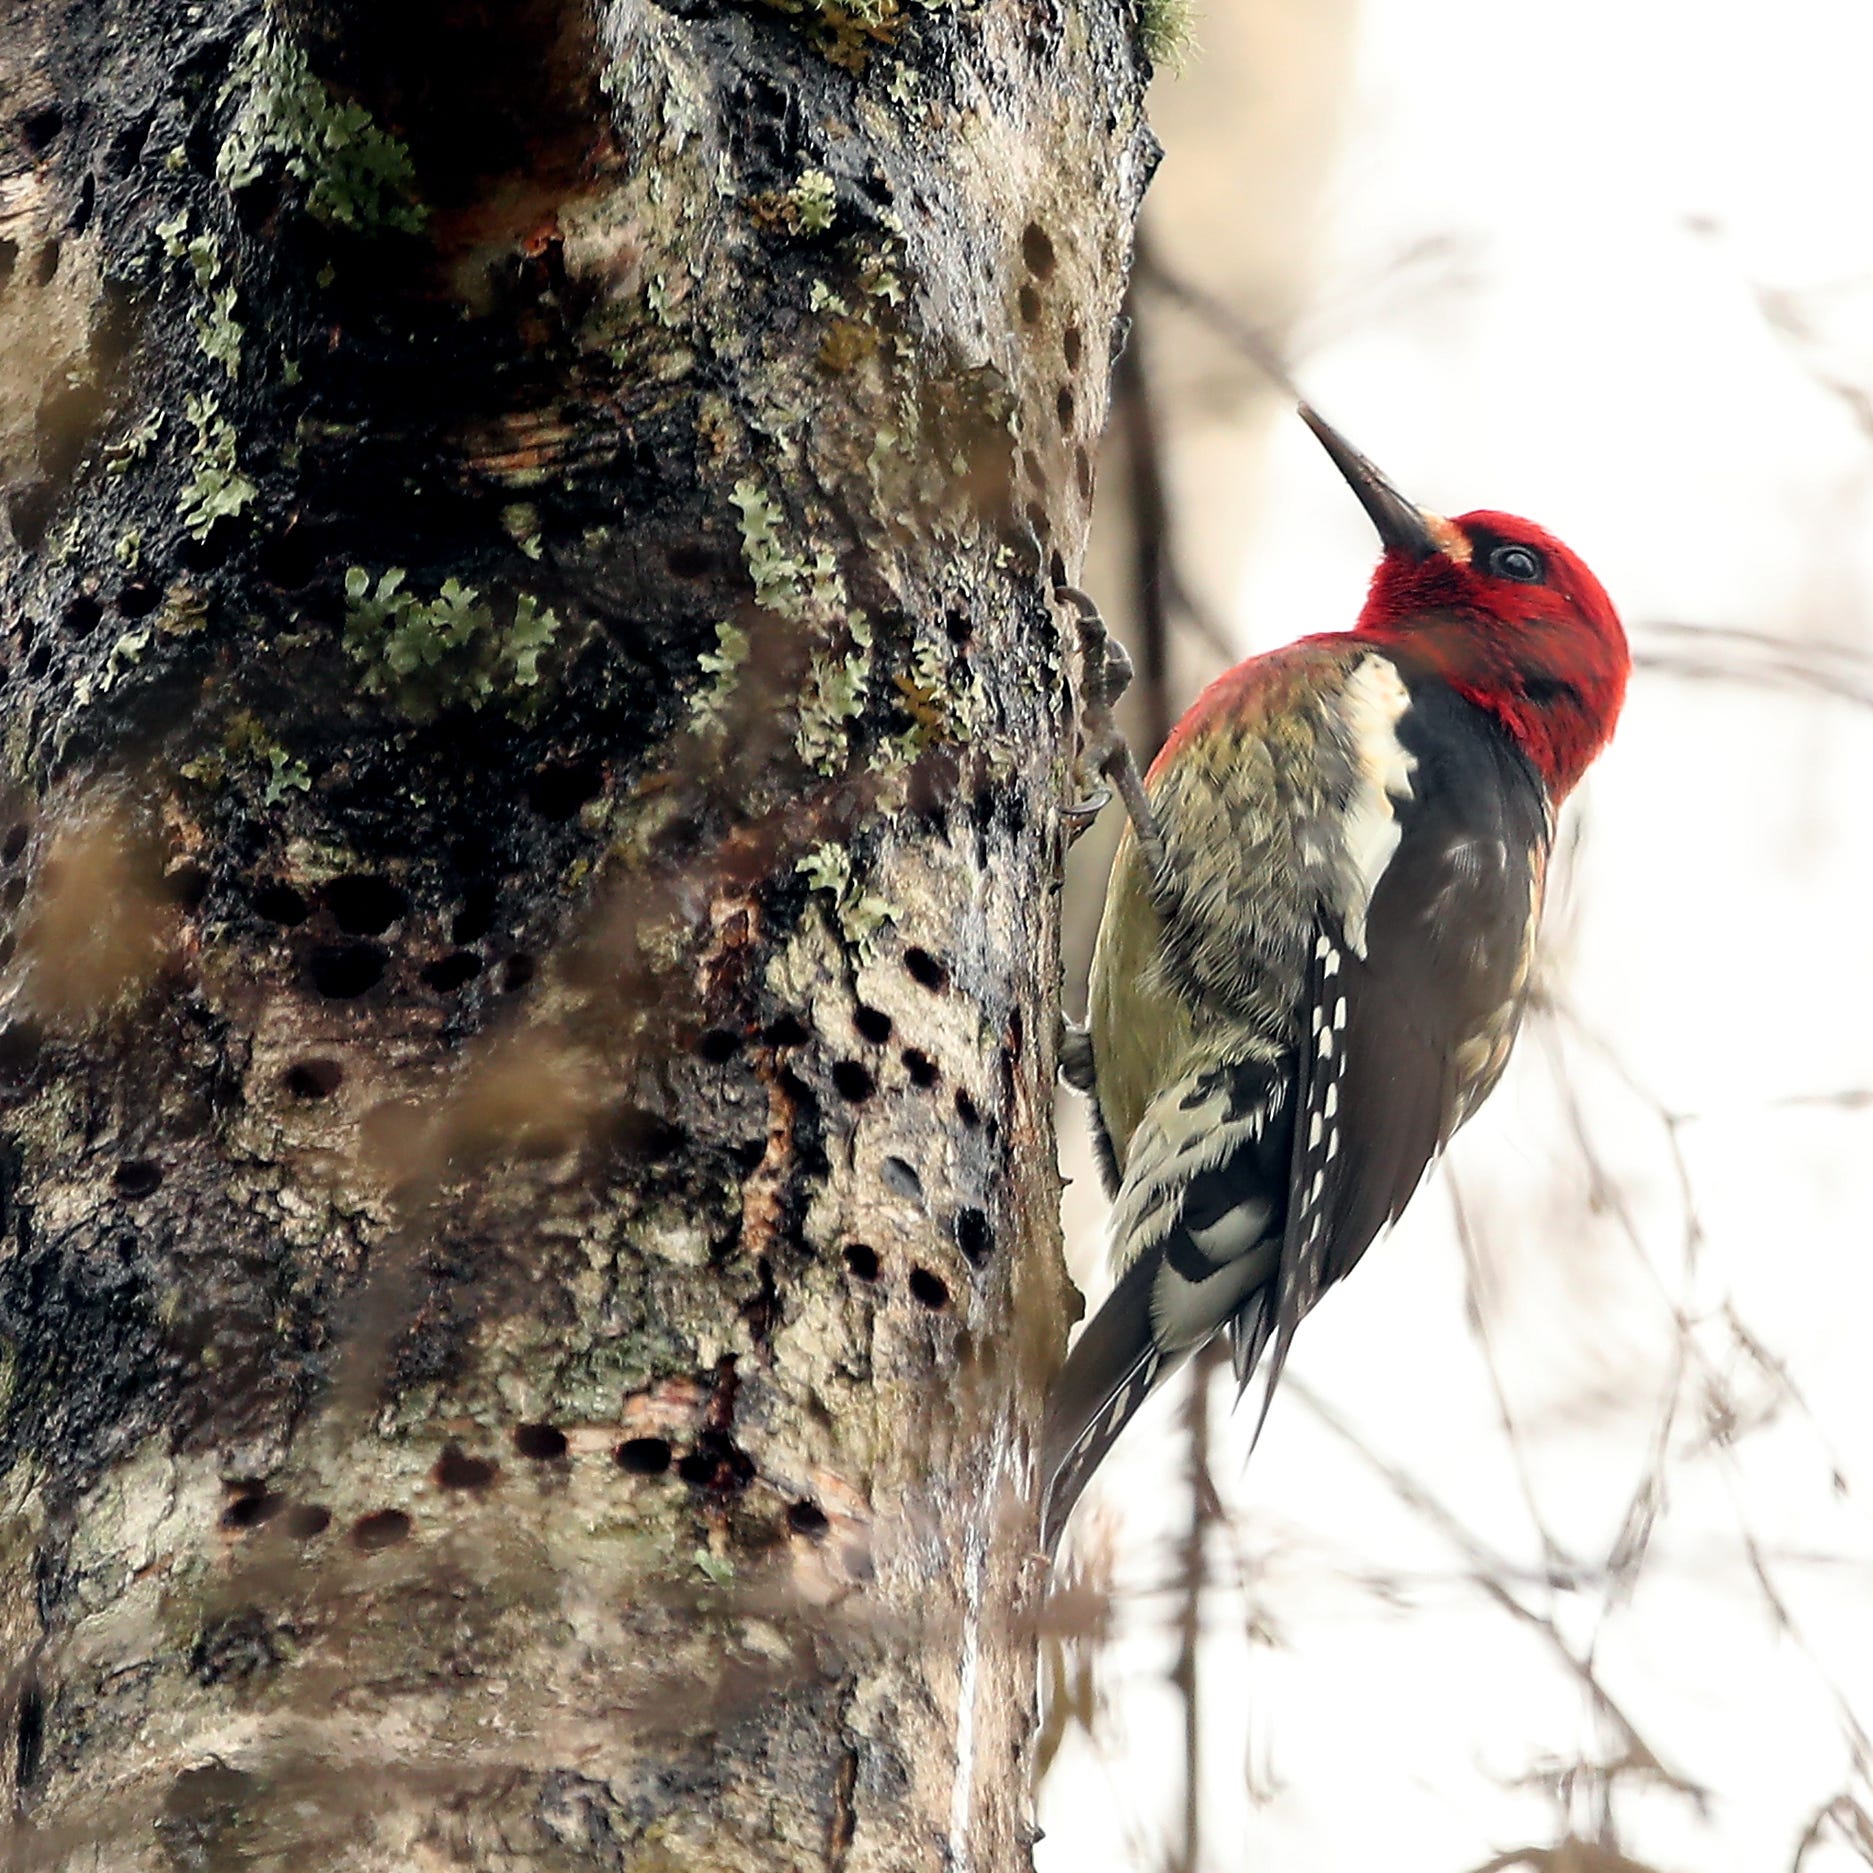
x=859 y=914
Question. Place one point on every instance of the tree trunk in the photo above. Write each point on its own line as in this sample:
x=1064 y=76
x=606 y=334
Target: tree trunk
x=532 y=766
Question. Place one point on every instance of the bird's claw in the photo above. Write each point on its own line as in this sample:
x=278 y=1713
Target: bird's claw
x=1105 y=675
x=1081 y=814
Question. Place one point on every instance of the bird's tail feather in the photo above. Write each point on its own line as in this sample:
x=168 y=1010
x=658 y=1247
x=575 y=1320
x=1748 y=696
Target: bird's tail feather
x=1115 y=1365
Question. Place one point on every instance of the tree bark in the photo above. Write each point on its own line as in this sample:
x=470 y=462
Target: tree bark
x=534 y=743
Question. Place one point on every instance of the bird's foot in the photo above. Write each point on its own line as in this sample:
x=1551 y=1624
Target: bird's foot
x=1105 y=675
x=1075 y=1054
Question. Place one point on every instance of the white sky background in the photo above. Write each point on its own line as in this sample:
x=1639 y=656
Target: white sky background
x=1622 y=181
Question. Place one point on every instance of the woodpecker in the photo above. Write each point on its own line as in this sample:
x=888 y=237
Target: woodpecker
x=1318 y=937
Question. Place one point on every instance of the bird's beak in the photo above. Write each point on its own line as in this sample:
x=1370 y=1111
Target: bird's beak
x=1400 y=524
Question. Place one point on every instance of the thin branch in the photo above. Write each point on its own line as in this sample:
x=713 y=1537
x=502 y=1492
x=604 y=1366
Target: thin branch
x=1488 y=1572
x=1152 y=545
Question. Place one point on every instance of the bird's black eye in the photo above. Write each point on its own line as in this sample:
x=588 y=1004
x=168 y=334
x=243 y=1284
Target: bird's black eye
x=1520 y=563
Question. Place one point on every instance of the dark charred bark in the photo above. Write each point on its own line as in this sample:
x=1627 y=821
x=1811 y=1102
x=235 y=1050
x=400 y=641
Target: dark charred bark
x=534 y=739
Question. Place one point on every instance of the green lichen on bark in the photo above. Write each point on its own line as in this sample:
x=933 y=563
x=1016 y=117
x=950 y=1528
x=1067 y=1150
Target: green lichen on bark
x=452 y=651
x=722 y=666
x=217 y=331
x=218 y=490
x=357 y=175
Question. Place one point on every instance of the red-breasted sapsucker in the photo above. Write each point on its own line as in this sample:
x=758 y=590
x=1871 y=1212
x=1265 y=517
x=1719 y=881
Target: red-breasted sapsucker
x=1317 y=942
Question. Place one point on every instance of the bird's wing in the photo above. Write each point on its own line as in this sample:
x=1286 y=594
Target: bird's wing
x=1404 y=1031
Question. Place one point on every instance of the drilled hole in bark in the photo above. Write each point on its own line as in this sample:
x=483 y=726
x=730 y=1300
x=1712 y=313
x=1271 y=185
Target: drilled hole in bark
x=966 y=1108
x=86 y=204
x=21 y=1044
x=126 y=145
x=343 y=971
x=1063 y=408
x=313 y=1079
x=186 y=883
x=455 y=1469
x=787 y=1031
x=974 y=1236
x=1083 y=471
x=39 y=127
x=1072 y=347
x=138 y=598
x=115 y=329
x=29 y=1734
x=558 y=790
x=516 y=973
x=17 y=836
x=1056 y=569
x=643 y=1456
x=862 y=1260
x=81 y=616
x=448 y=975
x=280 y=903
x=289 y=558
x=305 y=1520
x=925 y=970
x=853 y=1081
x=637 y=1132
x=212 y=549
x=8 y=945
x=1037 y=519
x=873 y=1023
x=900 y=1177
x=927 y=1289
x=382 y=1528
x=250 y=1505
x=1037 y=250
x=475 y=919
x=365 y=905
x=137 y=1177
x=718 y=1046
x=9 y=259
x=807 y=1518
x=46 y=262
x=717 y=1463
x=689 y=559
x=1030 y=303
x=1031 y=467
x=40 y=661
x=13 y=893
x=921 y=1068
x=540 y=1443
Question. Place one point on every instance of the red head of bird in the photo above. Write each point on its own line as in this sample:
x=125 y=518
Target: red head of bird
x=1502 y=611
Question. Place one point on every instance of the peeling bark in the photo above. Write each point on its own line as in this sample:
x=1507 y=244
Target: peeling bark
x=532 y=764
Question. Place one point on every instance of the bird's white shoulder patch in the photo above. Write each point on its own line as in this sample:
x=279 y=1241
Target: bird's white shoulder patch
x=1369 y=707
